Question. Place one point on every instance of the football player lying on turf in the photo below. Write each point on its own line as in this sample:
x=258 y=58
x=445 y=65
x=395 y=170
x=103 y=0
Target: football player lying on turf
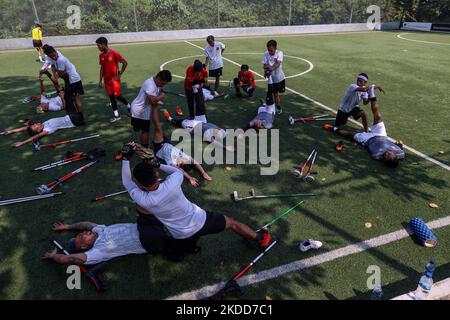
x=37 y=131
x=376 y=141
x=99 y=243
x=210 y=132
x=184 y=220
x=48 y=104
x=265 y=116
x=173 y=156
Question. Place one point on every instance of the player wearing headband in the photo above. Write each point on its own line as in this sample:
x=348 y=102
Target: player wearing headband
x=350 y=104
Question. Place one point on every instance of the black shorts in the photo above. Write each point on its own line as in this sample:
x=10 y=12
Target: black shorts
x=37 y=43
x=140 y=125
x=342 y=117
x=77 y=119
x=216 y=73
x=77 y=88
x=152 y=234
x=279 y=87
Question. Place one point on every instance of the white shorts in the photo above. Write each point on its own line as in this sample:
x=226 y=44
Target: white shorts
x=207 y=95
x=377 y=130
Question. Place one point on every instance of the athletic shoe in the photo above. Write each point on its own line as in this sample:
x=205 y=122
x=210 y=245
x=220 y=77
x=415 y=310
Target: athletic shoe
x=264 y=239
x=167 y=115
x=114 y=119
x=27 y=100
x=216 y=94
x=179 y=112
x=372 y=92
x=309 y=244
x=291 y=120
x=328 y=127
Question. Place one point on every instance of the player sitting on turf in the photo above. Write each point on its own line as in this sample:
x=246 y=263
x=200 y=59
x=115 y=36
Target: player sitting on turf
x=245 y=81
x=196 y=79
x=350 y=104
x=40 y=130
x=99 y=243
x=56 y=103
x=185 y=221
x=265 y=117
x=376 y=141
x=173 y=156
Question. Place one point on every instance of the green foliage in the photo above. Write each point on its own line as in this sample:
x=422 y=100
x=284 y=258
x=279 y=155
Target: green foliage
x=101 y=16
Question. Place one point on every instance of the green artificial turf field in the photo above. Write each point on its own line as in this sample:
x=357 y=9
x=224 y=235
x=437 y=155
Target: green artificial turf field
x=352 y=189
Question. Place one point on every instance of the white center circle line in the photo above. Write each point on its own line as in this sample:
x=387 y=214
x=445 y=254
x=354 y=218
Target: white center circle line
x=311 y=65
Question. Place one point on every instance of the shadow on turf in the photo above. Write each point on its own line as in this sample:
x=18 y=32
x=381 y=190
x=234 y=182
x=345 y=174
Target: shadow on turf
x=222 y=255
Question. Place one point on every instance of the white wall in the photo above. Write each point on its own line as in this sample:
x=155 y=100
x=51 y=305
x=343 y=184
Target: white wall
x=80 y=40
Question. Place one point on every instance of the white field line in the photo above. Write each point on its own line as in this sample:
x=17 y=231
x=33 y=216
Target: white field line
x=410 y=149
x=173 y=41
x=400 y=36
x=298 y=265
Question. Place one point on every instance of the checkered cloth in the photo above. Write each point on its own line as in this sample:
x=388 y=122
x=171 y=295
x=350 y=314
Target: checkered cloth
x=421 y=230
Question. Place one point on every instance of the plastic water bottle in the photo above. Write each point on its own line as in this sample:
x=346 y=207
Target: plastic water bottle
x=377 y=293
x=426 y=283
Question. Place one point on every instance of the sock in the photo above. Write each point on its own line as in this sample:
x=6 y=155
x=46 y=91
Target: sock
x=116 y=113
x=372 y=96
x=336 y=129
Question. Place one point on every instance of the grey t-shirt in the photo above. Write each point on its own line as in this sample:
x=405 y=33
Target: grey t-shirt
x=351 y=98
x=379 y=145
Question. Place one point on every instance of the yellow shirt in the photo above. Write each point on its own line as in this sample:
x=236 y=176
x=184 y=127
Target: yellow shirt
x=36 y=34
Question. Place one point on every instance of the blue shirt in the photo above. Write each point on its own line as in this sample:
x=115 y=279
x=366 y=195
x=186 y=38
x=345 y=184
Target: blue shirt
x=379 y=145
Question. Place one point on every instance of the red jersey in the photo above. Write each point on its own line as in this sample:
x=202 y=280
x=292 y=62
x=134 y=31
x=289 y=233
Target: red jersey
x=247 y=78
x=192 y=77
x=110 y=63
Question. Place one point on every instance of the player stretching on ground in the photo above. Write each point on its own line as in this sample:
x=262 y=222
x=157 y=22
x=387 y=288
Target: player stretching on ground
x=376 y=141
x=194 y=82
x=245 y=81
x=36 y=35
x=273 y=71
x=110 y=75
x=264 y=118
x=65 y=69
x=47 y=104
x=146 y=105
x=185 y=221
x=99 y=243
x=350 y=104
x=213 y=53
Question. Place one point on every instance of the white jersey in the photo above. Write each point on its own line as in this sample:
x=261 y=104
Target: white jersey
x=172 y=155
x=168 y=204
x=54 y=104
x=63 y=64
x=140 y=107
x=53 y=125
x=214 y=54
x=114 y=241
x=277 y=74
x=352 y=98
x=207 y=95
